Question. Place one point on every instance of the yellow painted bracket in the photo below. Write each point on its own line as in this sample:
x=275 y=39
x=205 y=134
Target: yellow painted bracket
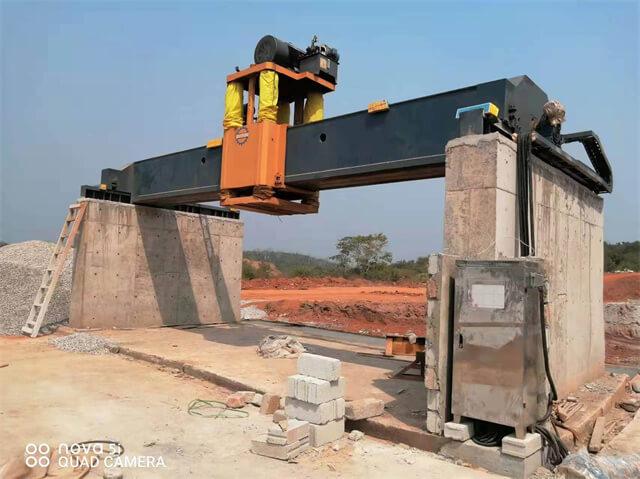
x=378 y=106
x=214 y=143
x=487 y=108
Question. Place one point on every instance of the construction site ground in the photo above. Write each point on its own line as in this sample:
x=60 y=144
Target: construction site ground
x=67 y=397
x=226 y=354
x=355 y=306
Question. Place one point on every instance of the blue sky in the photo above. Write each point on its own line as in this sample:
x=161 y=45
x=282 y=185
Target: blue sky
x=89 y=85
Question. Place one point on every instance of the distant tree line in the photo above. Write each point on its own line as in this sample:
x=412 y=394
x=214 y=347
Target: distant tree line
x=623 y=256
x=367 y=256
x=361 y=256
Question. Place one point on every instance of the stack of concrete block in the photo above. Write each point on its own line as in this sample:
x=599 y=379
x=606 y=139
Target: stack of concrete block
x=316 y=395
x=284 y=440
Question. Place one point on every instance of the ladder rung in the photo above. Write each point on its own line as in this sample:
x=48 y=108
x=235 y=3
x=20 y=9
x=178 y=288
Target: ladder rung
x=38 y=308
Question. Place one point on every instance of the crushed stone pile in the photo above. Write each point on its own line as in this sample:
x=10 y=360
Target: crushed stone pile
x=21 y=268
x=82 y=343
x=280 y=347
x=252 y=312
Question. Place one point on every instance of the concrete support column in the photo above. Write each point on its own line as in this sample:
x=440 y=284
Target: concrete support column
x=481 y=223
x=480 y=202
x=137 y=266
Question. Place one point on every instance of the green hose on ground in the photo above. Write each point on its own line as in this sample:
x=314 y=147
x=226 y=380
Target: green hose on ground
x=214 y=409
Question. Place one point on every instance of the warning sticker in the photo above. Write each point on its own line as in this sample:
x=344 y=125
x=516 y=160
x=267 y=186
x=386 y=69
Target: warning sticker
x=242 y=135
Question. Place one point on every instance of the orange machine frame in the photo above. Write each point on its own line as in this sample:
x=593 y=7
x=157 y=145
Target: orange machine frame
x=253 y=155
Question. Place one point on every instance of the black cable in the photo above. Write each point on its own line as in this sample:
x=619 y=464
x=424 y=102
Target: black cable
x=531 y=205
x=545 y=348
x=555 y=450
x=488 y=434
x=523 y=153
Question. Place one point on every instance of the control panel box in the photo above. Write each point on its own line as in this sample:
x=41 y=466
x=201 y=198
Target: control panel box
x=498 y=368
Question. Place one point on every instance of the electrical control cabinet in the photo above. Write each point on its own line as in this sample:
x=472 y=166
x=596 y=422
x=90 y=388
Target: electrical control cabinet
x=498 y=368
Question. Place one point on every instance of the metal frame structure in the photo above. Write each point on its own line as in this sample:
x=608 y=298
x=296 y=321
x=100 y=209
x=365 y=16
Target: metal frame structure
x=405 y=142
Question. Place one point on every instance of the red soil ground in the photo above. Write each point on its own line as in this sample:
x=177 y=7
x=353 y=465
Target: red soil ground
x=619 y=287
x=356 y=306
x=373 y=308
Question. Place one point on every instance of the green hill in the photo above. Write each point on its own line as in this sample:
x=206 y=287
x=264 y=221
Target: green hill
x=295 y=264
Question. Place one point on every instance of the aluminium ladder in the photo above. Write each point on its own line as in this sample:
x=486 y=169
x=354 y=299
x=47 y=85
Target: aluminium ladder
x=54 y=270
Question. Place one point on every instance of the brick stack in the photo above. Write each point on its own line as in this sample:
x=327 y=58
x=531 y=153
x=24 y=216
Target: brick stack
x=284 y=440
x=316 y=395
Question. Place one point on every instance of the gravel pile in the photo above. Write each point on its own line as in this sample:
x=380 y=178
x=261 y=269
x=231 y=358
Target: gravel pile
x=82 y=343
x=21 y=268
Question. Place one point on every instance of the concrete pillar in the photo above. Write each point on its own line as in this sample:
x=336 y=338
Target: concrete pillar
x=138 y=266
x=481 y=223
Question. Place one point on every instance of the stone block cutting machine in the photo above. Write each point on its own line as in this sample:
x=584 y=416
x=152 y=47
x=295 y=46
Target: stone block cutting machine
x=267 y=162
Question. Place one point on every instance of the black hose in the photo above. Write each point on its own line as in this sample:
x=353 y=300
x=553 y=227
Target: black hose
x=555 y=450
x=545 y=348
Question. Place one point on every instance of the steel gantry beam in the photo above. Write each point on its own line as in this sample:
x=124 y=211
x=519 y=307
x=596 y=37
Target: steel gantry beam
x=407 y=142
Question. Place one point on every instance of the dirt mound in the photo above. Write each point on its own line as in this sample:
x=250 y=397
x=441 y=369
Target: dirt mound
x=269 y=268
x=620 y=287
x=370 y=318
x=21 y=268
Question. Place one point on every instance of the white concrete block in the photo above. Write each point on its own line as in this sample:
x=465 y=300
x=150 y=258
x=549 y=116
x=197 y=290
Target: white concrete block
x=314 y=413
x=434 y=422
x=364 y=408
x=322 y=434
x=458 y=431
x=296 y=431
x=433 y=399
x=284 y=452
x=432 y=304
x=522 y=448
x=320 y=367
x=314 y=390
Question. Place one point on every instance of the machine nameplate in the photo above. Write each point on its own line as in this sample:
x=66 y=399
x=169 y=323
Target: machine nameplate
x=487 y=296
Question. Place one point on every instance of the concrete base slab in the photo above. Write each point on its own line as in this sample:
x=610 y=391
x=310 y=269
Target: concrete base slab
x=492 y=459
x=225 y=355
